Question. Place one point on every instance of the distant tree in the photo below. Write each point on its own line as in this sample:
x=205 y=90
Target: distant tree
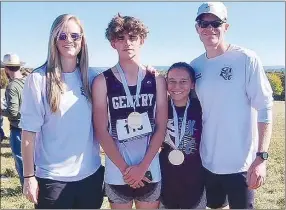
x=3 y=79
x=276 y=84
x=282 y=78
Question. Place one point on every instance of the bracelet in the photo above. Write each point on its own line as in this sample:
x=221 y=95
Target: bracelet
x=25 y=177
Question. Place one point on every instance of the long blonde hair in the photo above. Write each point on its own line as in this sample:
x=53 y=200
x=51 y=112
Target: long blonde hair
x=55 y=85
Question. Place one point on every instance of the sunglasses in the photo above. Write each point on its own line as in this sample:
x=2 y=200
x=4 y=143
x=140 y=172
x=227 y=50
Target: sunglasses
x=75 y=36
x=214 y=24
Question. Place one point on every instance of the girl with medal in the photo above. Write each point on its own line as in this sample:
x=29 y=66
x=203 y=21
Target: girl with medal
x=126 y=99
x=181 y=167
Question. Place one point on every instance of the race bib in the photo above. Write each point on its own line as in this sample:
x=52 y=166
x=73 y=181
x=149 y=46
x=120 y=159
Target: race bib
x=125 y=132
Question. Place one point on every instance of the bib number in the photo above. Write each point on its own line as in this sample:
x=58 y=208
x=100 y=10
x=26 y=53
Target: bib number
x=125 y=132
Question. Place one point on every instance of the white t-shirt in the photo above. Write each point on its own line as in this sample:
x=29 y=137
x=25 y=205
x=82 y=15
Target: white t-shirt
x=65 y=148
x=231 y=88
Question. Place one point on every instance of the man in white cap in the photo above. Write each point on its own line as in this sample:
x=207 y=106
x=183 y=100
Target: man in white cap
x=236 y=100
x=13 y=96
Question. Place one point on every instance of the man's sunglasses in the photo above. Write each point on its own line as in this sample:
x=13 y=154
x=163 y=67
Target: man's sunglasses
x=64 y=36
x=214 y=24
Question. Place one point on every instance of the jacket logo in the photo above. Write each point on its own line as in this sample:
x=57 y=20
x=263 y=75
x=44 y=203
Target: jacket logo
x=226 y=73
x=198 y=76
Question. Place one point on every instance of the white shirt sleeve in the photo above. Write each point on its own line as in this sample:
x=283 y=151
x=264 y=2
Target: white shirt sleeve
x=264 y=115
x=258 y=88
x=32 y=108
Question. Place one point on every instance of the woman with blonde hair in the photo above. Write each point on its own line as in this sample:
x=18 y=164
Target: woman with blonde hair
x=56 y=118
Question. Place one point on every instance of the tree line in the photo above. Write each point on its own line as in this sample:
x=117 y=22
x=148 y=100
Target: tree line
x=276 y=79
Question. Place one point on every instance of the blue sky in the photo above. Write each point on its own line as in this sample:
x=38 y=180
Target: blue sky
x=259 y=26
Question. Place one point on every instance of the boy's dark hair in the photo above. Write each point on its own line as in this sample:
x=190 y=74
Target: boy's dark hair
x=13 y=68
x=184 y=65
x=125 y=24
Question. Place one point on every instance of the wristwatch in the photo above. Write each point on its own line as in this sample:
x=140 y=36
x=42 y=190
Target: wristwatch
x=262 y=155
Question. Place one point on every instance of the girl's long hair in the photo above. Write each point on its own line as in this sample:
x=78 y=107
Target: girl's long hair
x=55 y=85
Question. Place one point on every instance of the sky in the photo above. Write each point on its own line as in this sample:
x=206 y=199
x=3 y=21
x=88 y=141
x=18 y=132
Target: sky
x=259 y=26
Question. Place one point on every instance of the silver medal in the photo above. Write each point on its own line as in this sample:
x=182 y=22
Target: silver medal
x=134 y=120
x=176 y=157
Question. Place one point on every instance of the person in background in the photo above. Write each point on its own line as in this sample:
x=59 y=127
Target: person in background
x=13 y=98
x=236 y=100
x=56 y=118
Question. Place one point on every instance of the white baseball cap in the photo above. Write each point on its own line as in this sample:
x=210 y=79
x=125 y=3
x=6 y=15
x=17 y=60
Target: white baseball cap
x=216 y=8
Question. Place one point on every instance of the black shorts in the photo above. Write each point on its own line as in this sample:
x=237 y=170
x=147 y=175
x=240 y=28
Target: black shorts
x=122 y=194
x=202 y=204
x=84 y=194
x=228 y=189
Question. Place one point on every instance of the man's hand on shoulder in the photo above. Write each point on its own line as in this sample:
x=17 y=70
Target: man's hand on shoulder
x=151 y=69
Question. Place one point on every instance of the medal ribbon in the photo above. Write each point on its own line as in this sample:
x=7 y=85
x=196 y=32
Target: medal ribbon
x=125 y=85
x=178 y=138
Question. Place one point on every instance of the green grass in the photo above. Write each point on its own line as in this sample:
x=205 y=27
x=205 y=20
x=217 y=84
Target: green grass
x=271 y=195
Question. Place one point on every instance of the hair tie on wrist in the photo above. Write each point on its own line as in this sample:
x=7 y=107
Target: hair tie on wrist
x=25 y=177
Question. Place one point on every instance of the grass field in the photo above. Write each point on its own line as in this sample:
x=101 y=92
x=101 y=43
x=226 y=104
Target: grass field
x=269 y=196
